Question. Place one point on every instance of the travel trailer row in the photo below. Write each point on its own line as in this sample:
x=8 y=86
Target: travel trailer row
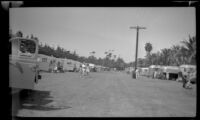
x=48 y=63
x=166 y=72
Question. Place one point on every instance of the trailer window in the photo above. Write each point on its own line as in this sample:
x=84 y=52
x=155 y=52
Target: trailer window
x=44 y=59
x=27 y=47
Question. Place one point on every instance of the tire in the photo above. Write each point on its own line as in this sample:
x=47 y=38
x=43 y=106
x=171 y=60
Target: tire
x=16 y=104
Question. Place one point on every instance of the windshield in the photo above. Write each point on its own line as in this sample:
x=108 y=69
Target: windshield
x=27 y=48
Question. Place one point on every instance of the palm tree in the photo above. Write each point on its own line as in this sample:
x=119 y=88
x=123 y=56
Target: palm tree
x=148 y=48
x=190 y=47
x=154 y=59
x=165 y=55
x=175 y=56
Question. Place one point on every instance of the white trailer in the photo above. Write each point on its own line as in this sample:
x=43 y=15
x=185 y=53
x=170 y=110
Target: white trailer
x=77 y=65
x=68 y=65
x=144 y=71
x=153 y=69
x=45 y=62
x=171 y=72
x=185 y=69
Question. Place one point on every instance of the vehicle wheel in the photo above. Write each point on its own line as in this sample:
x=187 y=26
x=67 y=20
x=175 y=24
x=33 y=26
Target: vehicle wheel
x=16 y=104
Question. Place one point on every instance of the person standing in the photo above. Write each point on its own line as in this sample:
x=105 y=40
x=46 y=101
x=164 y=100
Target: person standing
x=188 y=82
x=87 y=69
x=155 y=74
x=167 y=75
x=184 y=80
x=136 y=72
x=83 y=69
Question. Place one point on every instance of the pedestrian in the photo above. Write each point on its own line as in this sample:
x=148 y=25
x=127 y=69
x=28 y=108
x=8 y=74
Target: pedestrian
x=137 y=73
x=55 y=69
x=83 y=69
x=87 y=69
x=155 y=74
x=184 y=80
x=188 y=83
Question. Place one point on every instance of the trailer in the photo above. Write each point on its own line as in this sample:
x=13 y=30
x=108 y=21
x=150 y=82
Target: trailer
x=49 y=63
x=144 y=71
x=185 y=69
x=171 y=72
x=23 y=68
x=68 y=65
x=152 y=69
x=98 y=68
x=46 y=63
x=77 y=66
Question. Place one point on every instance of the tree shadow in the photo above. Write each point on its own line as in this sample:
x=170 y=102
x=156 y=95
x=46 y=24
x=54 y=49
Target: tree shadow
x=38 y=100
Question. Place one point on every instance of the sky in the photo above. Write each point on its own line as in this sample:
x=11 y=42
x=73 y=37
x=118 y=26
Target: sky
x=100 y=29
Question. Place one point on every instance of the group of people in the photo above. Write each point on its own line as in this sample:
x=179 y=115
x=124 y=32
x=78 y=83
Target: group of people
x=56 y=67
x=186 y=79
x=84 y=69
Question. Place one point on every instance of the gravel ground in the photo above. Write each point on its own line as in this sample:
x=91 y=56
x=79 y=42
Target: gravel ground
x=108 y=94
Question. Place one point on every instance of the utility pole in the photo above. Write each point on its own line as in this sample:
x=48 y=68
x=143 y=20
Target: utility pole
x=137 y=28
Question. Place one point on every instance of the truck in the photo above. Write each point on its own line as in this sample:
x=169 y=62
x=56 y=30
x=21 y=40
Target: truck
x=23 y=68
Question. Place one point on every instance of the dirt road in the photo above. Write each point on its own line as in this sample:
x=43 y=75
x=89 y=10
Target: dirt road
x=110 y=94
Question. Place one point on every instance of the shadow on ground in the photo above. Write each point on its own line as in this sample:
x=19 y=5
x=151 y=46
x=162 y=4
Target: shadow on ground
x=38 y=100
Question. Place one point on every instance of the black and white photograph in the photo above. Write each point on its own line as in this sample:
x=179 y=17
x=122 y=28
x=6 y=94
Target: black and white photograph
x=102 y=61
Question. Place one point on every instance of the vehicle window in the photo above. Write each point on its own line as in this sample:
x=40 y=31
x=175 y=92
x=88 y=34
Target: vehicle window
x=27 y=47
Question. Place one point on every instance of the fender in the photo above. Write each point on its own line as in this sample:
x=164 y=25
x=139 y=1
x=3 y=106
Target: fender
x=18 y=65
